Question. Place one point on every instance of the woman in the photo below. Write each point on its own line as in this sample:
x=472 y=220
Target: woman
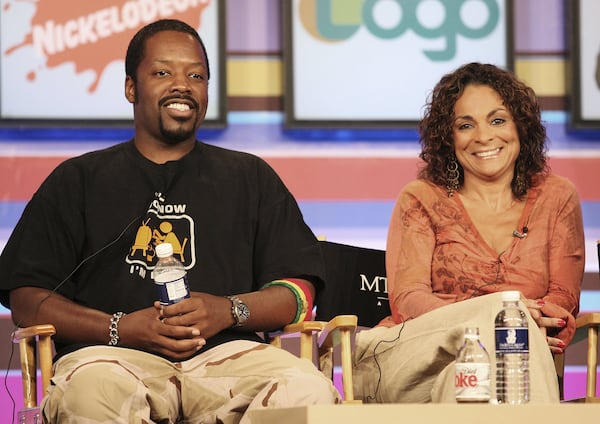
x=484 y=216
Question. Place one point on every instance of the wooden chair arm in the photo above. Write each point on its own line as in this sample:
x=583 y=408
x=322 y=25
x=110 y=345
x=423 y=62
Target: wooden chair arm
x=304 y=327
x=306 y=330
x=331 y=335
x=27 y=338
x=338 y=332
x=587 y=319
x=587 y=325
x=34 y=330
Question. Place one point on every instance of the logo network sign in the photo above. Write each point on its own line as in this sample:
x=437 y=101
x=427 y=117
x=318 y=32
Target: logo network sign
x=339 y=20
x=74 y=51
x=375 y=61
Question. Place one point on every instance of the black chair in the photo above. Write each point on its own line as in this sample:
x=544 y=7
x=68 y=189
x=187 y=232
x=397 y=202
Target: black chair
x=356 y=284
x=588 y=324
x=587 y=328
x=355 y=295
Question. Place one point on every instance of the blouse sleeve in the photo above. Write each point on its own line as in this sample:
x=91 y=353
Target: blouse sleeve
x=409 y=253
x=567 y=254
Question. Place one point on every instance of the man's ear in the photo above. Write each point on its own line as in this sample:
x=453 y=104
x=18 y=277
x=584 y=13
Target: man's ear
x=129 y=89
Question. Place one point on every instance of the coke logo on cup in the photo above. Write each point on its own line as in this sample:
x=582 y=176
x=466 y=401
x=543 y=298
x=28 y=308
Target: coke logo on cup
x=465 y=380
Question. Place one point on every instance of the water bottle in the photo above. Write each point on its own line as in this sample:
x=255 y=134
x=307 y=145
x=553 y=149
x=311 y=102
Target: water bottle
x=170 y=276
x=472 y=378
x=512 y=352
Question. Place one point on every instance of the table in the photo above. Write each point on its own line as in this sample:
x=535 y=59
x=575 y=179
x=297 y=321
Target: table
x=431 y=413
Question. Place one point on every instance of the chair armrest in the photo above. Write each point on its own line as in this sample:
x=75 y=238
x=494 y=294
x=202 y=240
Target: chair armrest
x=587 y=319
x=33 y=331
x=26 y=338
x=304 y=327
x=331 y=335
x=587 y=325
x=306 y=330
x=337 y=332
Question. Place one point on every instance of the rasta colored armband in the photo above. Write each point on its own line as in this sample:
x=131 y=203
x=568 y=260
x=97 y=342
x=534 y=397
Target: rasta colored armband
x=304 y=299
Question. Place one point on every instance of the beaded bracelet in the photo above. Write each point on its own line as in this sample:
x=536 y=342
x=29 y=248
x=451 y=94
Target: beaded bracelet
x=304 y=299
x=113 y=329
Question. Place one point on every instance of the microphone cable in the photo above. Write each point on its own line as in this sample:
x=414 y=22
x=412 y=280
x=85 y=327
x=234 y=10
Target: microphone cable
x=83 y=262
x=374 y=397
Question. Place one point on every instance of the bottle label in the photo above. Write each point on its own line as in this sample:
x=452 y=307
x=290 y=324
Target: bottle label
x=512 y=340
x=170 y=292
x=472 y=381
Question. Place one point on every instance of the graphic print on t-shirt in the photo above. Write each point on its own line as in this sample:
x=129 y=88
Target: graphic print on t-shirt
x=163 y=223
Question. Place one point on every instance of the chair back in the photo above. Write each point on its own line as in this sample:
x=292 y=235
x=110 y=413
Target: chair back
x=356 y=284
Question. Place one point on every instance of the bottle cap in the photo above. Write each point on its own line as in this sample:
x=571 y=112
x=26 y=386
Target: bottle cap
x=164 y=249
x=471 y=331
x=511 y=295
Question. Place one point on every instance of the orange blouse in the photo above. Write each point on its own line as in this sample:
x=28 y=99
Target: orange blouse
x=436 y=256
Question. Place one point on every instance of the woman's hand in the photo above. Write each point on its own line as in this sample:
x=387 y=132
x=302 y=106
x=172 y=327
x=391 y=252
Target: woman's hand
x=546 y=324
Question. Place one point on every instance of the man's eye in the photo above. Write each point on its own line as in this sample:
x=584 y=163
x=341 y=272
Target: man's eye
x=162 y=73
x=196 y=76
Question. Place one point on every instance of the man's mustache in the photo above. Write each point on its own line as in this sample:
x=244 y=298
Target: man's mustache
x=179 y=97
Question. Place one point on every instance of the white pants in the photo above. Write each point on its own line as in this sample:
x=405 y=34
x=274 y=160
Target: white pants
x=413 y=362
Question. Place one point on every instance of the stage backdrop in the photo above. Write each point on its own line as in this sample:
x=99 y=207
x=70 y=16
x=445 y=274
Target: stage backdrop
x=372 y=63
x=62 y=61
x=585 y=63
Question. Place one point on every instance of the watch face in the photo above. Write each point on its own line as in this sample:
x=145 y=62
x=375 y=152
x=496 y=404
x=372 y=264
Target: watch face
x=242 y=312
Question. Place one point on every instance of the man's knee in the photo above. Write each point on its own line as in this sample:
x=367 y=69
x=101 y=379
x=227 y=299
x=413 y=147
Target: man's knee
x=96 y=391
x=299 y=388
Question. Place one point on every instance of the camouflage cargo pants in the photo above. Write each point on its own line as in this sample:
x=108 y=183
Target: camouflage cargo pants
x=118 y=385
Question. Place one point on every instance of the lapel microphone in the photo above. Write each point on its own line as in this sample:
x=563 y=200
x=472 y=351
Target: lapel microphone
x=521 y=234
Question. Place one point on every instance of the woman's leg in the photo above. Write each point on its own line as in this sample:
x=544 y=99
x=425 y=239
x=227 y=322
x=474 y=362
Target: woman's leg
x=414 y=361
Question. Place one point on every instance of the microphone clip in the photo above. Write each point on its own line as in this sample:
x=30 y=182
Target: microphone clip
x=521 y=234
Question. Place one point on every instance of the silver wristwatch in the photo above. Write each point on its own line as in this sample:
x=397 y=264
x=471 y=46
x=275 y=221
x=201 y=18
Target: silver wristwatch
x=239 y=310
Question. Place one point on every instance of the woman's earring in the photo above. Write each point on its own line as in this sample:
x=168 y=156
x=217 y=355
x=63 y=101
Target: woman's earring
x=452 y=176
x=520 y=180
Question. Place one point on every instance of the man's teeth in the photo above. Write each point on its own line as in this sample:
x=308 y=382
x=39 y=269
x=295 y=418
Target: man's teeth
x=179 y=106
x=488 y=153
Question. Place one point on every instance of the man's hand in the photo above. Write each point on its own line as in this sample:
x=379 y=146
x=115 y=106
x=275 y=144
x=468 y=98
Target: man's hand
x=145 y=330
x=204 y=312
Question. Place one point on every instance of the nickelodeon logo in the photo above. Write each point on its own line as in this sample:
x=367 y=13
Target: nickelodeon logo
x=93 y=34
x=339 y=20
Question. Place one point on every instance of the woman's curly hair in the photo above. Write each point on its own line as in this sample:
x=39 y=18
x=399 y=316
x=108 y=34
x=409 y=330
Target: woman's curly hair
x=437 y=146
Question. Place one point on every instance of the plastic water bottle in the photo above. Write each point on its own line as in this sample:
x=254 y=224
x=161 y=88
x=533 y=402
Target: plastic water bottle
x=472 y=378
x=512 y=352
x=170 y=276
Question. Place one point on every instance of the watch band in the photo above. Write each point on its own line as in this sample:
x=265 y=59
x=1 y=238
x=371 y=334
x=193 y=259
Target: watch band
x=239 y=311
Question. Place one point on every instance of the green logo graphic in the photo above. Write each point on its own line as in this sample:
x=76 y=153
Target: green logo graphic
x=338 y=20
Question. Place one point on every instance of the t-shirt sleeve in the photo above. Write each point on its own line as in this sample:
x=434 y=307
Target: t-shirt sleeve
x=40 y=251
x=285 y=245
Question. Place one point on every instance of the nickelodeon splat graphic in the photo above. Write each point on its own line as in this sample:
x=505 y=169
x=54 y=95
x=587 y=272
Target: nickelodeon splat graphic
x=163 y=223
x=72 y=53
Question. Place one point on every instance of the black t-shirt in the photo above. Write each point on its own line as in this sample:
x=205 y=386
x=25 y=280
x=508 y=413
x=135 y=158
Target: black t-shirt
x=231 y=220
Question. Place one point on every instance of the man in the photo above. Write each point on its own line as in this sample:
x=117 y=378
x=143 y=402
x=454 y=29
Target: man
x=82 y=254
